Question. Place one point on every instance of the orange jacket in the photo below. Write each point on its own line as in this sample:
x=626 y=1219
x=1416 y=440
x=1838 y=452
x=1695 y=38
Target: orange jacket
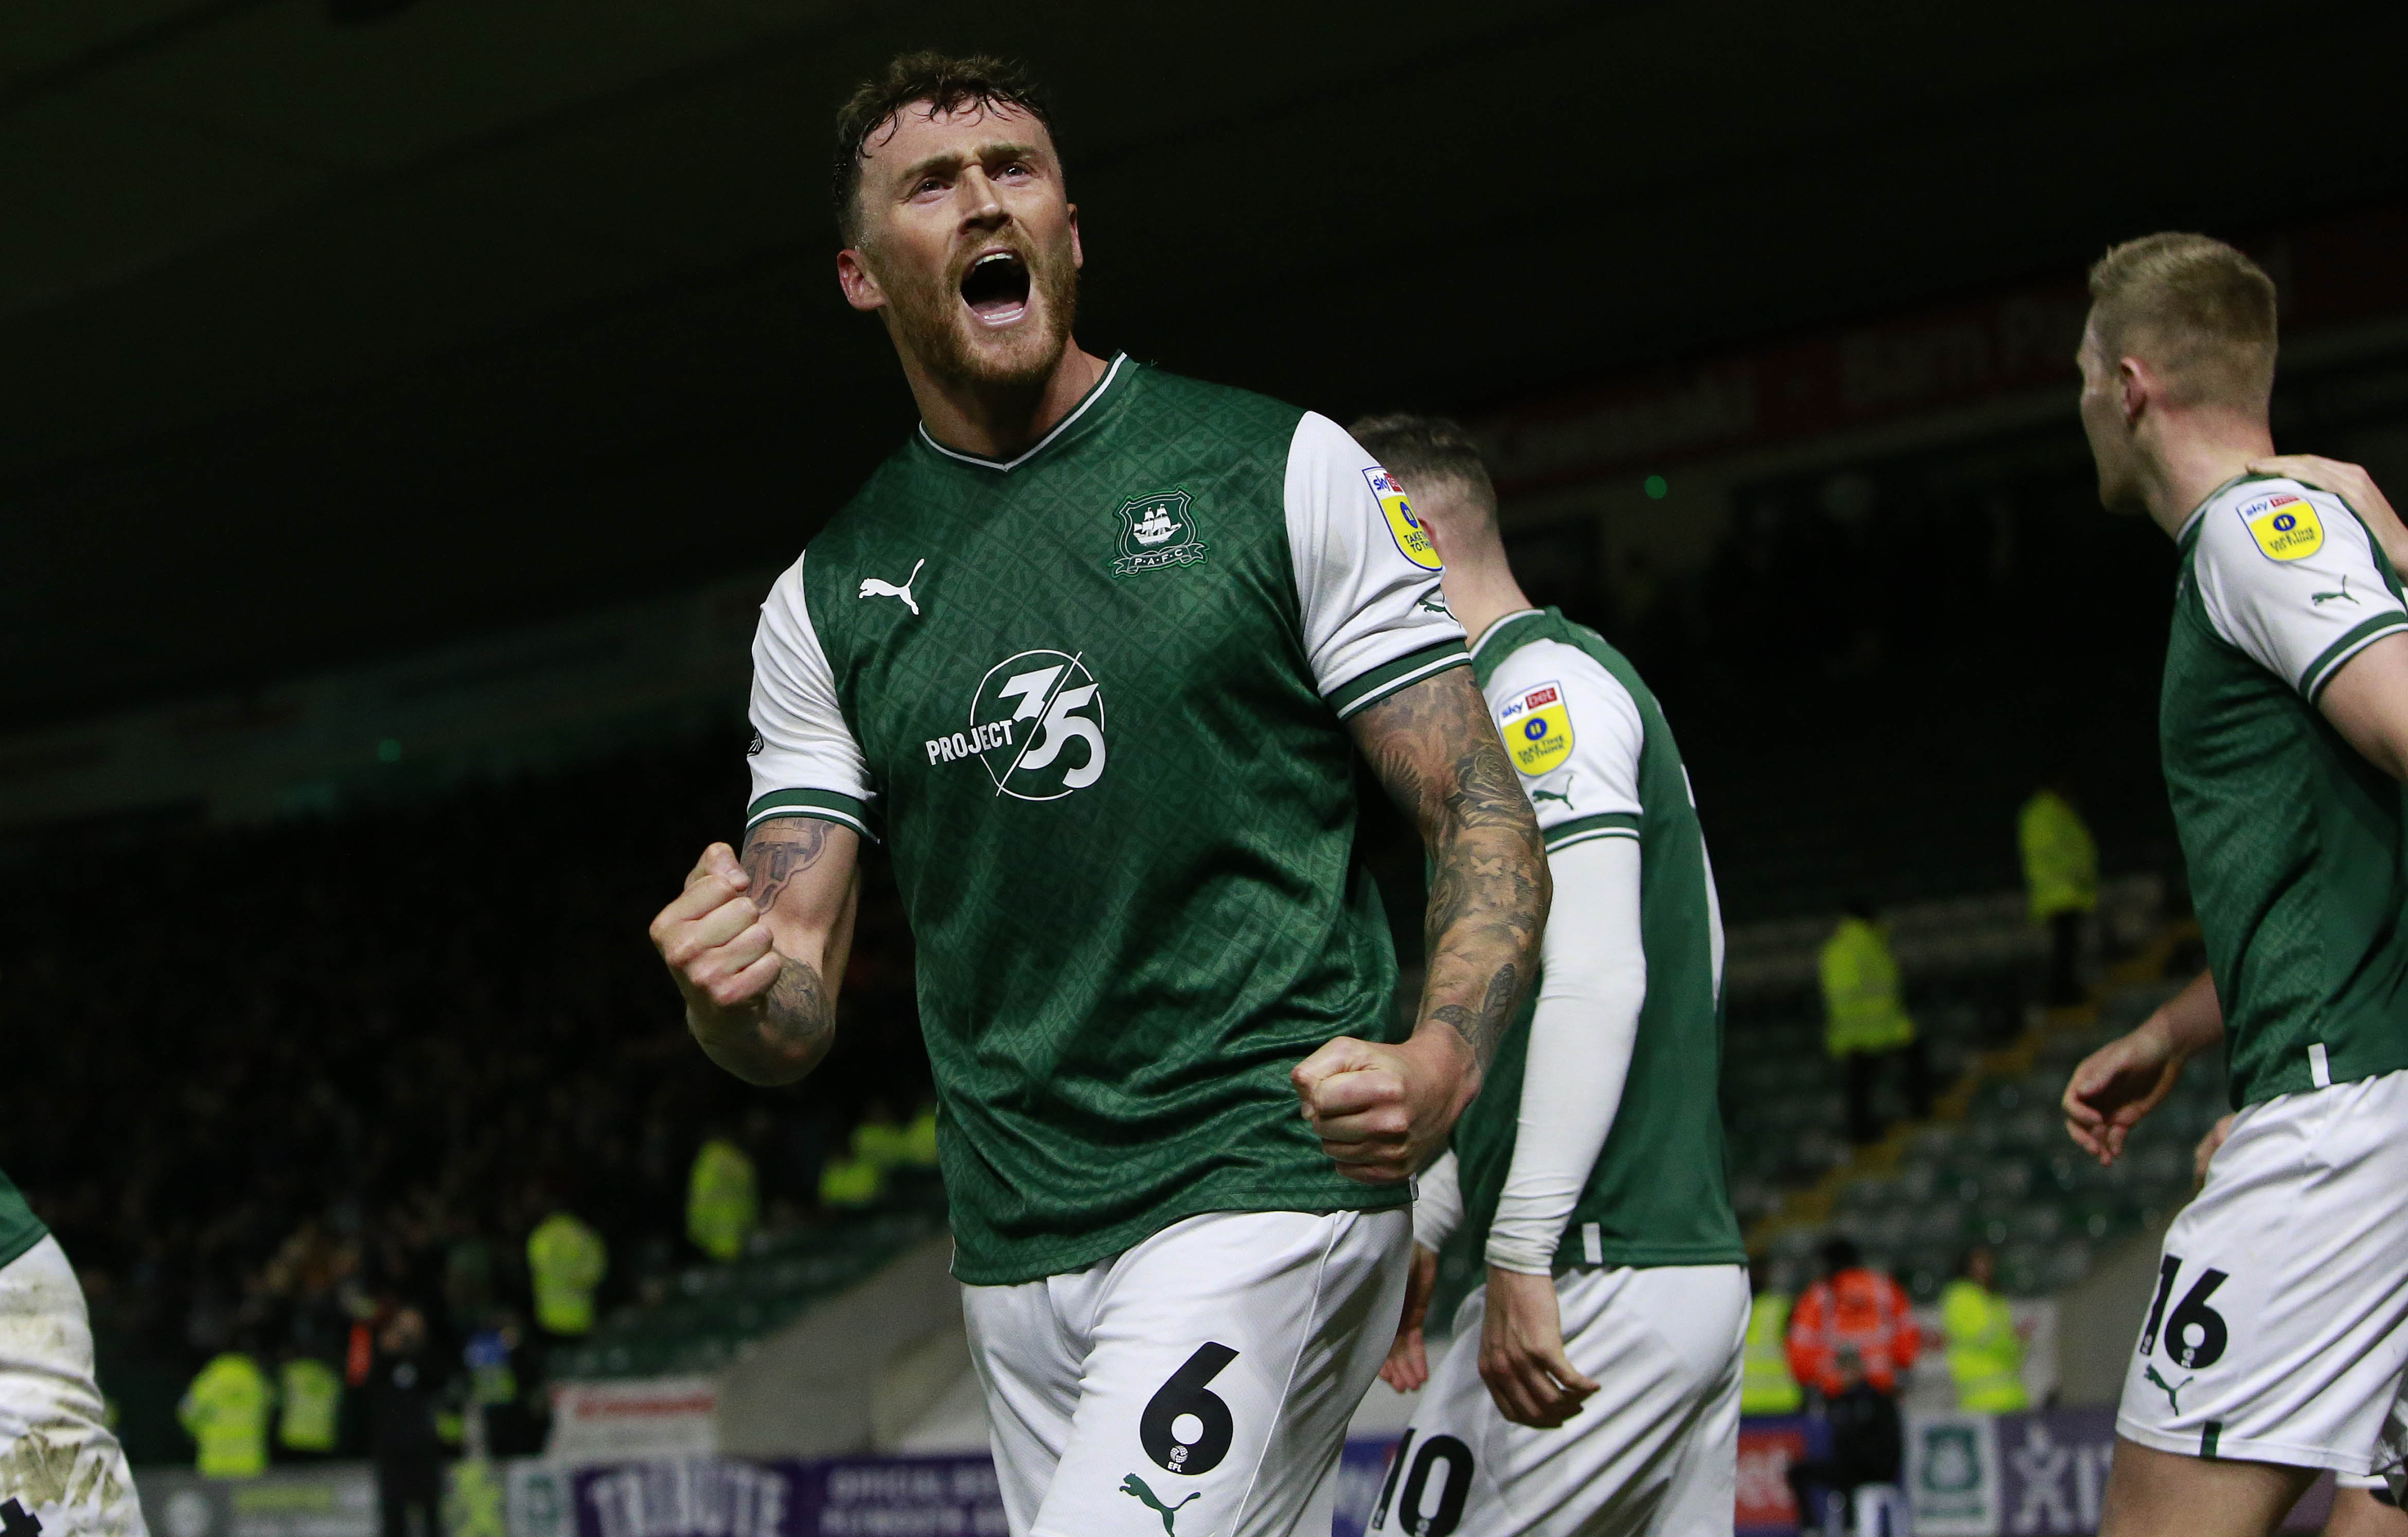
x=1862 y=1308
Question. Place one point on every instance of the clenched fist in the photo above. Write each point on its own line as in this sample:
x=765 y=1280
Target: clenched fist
x=1383 y=1112
x=713 y=937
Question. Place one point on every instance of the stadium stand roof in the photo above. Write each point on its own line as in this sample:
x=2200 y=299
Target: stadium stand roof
x=324 y=337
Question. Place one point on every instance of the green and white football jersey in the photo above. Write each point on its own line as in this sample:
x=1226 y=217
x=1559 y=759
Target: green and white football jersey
x=1093 y=699
x=1599 y=761
x=2298 y=867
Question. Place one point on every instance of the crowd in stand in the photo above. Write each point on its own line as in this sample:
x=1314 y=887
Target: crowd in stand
x=276 y=1084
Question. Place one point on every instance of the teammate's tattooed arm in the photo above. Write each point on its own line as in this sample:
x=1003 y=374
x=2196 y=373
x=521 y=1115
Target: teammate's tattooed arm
x=758 y=948
x=1384 y=1112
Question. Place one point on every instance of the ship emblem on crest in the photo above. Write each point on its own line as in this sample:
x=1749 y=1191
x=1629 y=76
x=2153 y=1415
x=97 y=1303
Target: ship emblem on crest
x=1157 y=531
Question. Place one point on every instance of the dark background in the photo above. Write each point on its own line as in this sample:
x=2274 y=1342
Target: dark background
x=323 y=336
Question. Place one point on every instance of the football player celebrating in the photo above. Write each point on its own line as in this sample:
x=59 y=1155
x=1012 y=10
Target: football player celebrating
x=2278 y=1332
x=1594 y=1384
x=1092 y=653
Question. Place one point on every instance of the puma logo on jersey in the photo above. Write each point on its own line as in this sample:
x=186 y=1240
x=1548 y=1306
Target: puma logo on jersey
x=2320 y=600
x=2169 y=1388
x=1135 y=1486
x=1538 y=795
x=875 y=588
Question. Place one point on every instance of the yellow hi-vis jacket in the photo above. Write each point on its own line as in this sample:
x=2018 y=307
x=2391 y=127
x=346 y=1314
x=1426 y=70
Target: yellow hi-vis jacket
x=1860 y=1006
x=2060 y=860
x=723 y=1200
x=1985 y=1355
x=1767 y=1386
x=566 y=1260
x=312 y=1403
x=226 y=1411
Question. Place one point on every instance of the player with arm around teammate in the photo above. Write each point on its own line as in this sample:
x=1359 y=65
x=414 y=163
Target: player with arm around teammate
x=1594 y=1384
x=2276 y=1338
x=1092 y=653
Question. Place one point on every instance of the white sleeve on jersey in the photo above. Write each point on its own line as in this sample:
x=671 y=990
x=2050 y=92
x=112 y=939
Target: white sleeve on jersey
x=804 y=760
x=2300 y=596
x=1575 y=734
x=1374 y=617
x=1438 y=1202
x=1586 y=749
x=1581 y=1035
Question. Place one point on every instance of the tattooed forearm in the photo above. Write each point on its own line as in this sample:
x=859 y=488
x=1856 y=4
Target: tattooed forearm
x=1437 y=752
x=779 y=850
x=783 y=1033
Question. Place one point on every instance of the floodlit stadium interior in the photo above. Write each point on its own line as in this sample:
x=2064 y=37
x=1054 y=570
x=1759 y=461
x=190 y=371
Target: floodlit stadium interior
x=404 y=405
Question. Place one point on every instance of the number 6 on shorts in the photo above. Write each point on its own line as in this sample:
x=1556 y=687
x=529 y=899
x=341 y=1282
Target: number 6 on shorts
x=1196 y=1448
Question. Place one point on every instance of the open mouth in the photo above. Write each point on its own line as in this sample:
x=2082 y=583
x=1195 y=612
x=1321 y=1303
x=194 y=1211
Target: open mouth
x=997 y=288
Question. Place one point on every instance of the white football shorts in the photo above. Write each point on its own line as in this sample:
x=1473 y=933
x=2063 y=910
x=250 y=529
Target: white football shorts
x=1654 y=1452
x=2278 y=1332
x=58 y=1462
x=1197 y=1385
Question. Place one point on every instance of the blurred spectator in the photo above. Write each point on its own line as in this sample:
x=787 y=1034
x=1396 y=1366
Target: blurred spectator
x=1868 y=1444
x=1866 y=1027
x=723 y=1200
x=2062 y=874
x=919 y=1149
x=852 y=1181
x=1855 y=1309
x=1985 y=1355
x=226 y=1411
x=309 y=1400
x=1768 y=1386
x=566 y=1260
x=407 y=1399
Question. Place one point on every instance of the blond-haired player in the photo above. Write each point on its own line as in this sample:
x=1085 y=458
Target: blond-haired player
x=2274 y=1342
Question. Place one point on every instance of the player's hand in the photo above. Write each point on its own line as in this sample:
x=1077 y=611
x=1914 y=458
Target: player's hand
x=2353 y=485
x=712 y=937
x=1408 y=1364
x=2118 y=1085
x=2207 y=1147
x=1522 y=1355
x=1383 y=1112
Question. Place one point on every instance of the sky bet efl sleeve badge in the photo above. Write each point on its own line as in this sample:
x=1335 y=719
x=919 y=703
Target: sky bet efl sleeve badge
x=1411 y=538
x=1537 y=729
x=2285 y=526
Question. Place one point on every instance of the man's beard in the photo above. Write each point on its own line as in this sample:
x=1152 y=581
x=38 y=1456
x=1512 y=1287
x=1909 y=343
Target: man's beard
x=930 y=323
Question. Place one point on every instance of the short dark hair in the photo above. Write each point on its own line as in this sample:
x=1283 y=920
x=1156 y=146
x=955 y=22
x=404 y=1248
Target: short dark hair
x=1841 y=1253
x=1416 y=447
x=947 y=84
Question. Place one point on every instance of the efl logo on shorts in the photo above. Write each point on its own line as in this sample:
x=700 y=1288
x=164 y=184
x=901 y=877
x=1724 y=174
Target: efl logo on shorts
x=1537 y=729
x=1037 y=722
x=1411 y=538
x=2285 y=526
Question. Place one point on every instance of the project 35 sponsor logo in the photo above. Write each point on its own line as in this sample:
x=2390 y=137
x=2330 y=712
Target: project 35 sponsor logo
x=1036 y=725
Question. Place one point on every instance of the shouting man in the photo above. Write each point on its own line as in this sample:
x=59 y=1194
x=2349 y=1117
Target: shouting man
x=1092 y=654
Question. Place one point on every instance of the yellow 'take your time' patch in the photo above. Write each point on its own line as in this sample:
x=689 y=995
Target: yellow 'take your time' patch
x=1411 y=538
x=1537 y=728
x=2285 y=526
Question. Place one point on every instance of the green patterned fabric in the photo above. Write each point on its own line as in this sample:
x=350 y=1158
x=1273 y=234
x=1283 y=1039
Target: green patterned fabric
x=20 y=1229
x=1656 y=1195
x=1121 y=812
x=2298 y=868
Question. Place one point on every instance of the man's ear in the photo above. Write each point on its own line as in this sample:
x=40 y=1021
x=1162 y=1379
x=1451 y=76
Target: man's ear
x=861 y=287
x=2137 y=386
x=1078 y=257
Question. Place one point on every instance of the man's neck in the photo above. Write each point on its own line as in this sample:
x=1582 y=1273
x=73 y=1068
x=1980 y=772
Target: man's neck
x=1481 y=590
x=1001 y=422
x=2194 y=456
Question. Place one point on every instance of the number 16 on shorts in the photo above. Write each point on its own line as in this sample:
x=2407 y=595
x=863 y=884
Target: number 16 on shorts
x=2194 y=1337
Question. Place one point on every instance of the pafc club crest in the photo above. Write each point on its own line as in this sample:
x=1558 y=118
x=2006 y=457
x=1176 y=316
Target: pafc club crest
x=1157 y=531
